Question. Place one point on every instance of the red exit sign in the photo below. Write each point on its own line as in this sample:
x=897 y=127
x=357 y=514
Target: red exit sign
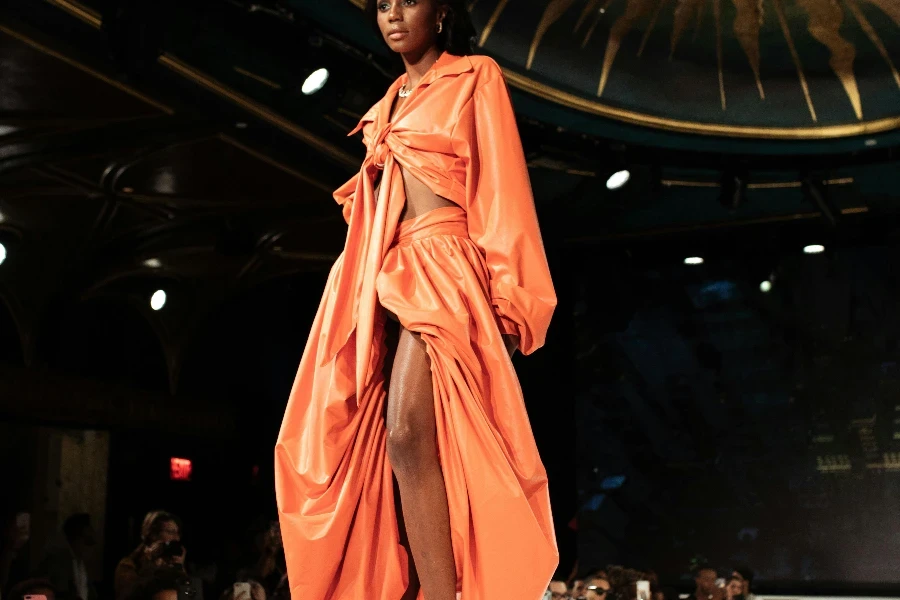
x=180 y=469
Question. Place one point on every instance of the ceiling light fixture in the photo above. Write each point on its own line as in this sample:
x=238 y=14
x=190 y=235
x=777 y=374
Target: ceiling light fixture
x=814 y=249
x=2 y=254
x=693 y=260
x=158 y=300
x=315 y=82
x=618 y=179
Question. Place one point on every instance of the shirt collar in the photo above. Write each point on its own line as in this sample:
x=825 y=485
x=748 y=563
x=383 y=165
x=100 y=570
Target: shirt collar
x=446 y=65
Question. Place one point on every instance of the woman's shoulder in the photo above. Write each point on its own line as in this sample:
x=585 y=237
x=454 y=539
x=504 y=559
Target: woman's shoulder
x=485 y=67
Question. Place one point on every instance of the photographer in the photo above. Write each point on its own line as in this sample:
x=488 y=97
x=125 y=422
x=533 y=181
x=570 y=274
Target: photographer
x=160 y=547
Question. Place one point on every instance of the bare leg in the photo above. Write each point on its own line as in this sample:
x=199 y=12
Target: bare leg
x=412 y=451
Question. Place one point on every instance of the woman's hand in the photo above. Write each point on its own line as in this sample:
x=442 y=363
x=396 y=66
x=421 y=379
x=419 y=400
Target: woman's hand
x=511 y=342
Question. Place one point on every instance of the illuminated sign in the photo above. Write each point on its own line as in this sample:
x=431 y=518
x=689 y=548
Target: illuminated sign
x=180 y=469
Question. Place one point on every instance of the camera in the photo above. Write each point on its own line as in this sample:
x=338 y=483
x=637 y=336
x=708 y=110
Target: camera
x=172 y=549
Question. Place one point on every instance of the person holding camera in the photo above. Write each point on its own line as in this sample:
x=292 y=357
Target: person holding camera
x=160 y=547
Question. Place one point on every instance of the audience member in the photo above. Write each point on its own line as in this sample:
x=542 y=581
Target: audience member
x=745 y=575
x=65 y=566
x=33 y=587
x=705 y=580
x=160 y=546
x=734 y=589
x=597 y=588
x=15 y=531
x=558 y=590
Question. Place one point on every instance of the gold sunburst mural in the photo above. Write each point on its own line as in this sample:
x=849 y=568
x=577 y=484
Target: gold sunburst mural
x=796 y=69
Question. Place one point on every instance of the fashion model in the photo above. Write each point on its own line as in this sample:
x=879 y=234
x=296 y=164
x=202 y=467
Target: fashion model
x=406 y=466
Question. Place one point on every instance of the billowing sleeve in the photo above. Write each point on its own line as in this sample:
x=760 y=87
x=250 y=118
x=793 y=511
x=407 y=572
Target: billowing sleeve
x=502 y=220
x=345 y=195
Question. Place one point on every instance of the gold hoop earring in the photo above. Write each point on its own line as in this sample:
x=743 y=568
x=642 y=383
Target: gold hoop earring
x=440 y=27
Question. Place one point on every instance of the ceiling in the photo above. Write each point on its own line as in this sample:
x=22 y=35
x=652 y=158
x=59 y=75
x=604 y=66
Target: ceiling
x=168 y=145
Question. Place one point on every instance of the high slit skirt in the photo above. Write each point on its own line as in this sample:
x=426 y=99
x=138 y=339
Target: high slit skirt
x=334 y=481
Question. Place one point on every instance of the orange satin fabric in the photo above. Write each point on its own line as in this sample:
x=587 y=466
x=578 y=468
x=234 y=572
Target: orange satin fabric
x=460 y=276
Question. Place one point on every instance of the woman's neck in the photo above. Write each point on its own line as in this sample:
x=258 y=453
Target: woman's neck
x=417 y=65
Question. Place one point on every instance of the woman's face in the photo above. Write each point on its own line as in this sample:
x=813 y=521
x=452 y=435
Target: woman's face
x=410 y=26
x=734 y=588
x=169 y=532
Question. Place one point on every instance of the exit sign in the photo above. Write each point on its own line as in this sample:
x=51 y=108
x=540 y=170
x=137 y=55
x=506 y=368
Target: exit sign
x=180 y=469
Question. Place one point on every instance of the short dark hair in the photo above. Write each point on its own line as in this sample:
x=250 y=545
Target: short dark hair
x=157 y=580
x=458 y=34
x=75 y=525
x=30 y=586
x=703 y=567
x=745 y=572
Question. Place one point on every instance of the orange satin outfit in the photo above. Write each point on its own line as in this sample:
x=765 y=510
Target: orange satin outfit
x=459 y=276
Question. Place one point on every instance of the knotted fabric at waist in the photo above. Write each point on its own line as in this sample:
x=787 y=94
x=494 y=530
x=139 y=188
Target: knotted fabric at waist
x=447 y=220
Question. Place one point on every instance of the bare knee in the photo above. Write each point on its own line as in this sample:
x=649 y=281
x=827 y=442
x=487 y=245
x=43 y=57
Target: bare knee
x=410 y=448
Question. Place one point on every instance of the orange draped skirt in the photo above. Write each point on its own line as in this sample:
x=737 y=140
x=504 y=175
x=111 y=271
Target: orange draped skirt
x=333 y=479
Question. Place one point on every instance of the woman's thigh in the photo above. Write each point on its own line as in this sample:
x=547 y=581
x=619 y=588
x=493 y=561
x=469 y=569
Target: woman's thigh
x=410 y=406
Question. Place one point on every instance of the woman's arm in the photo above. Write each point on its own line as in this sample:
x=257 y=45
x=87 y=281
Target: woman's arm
x=501 y=216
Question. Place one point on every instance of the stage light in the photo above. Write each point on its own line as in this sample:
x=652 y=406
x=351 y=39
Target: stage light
x=315 y=82
x=2 y=254
x=158 y=300
x=814 y=249
x=618 y=179
x=152 y=263
x=693 y=260
x=765 y=287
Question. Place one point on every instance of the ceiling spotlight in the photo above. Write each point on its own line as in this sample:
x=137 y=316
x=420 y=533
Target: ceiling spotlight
x=814 y=249
x=240 y=125
x=315 y=82
x=158 y=300
x=2 y=217
x=2 y=254
x=765 y=287
x=618 y=179
x=152 y=263
x=693 y=260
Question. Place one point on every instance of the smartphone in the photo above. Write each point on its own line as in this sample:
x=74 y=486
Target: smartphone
x=643 y=590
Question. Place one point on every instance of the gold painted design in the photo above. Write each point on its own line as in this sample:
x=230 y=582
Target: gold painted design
x=779 y=11
x=489 y=27
x=747 y=23
x=259 y=78
x=79 y=11
x=825 y=19
x=873 y=36
x=766 y=185
x=577 y=102
x=717 y=14
x=889 y=7
x=650 y=27
x=685 y=10
x=588 y=9
x=178 y=66
x=634 y=11
x=555 y=9
x=84 y=69
x=597 y=17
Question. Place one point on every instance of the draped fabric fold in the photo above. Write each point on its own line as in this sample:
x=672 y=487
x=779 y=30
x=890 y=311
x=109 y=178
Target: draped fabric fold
x=443 y=275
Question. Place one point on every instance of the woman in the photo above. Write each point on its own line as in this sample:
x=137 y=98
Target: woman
x=442 y=239
x=158 y=528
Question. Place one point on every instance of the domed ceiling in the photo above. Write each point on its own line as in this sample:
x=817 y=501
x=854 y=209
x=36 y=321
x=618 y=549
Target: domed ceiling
x=748 y=68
